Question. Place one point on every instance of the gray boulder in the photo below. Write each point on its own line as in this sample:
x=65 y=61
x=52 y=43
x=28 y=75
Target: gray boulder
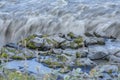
x=97 y=52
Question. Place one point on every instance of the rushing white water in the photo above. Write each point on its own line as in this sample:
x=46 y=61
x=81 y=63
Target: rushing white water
x=19 y=18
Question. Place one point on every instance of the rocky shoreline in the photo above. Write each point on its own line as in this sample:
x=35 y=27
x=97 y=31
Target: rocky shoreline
x=71 y=56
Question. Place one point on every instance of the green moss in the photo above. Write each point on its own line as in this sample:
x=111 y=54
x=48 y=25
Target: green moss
x=64 y=70
x=45 y=35
x=79 y=41
x=53 y=42
x=30 y=37
x=48 y=41
x=110 y=71
x=2 y=50
x=77 y=63
x=52 y=64
x=16 y=76
x=78 y=55
x=11 y=50
x=101 y=42
x=17 y=57
x=71 y=35
x=31 y=45
x=62 y=58
x=63 y=45
x=4 y=55
x=27 y=40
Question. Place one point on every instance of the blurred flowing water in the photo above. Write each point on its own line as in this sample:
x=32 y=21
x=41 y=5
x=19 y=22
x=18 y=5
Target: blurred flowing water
x=19 y=18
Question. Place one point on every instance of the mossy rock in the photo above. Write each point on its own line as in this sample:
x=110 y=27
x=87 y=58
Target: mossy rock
x=45 y=35
x=31 y=45
x=77 y=63
x=45 y=53
x=22 y=56
x=25 y=41
x=78 y=40
x=65 y=70
x=78 y=55
x=101 y=42
x=52 y=42
x=71 y=35
x=11 y=53
x=17 y=57
x=73 y=45
x=4 y=55
x=52 y=64
x=16 y=75
x=64 y=45
x=62 y=58
x=46 y=45
x=68 y=44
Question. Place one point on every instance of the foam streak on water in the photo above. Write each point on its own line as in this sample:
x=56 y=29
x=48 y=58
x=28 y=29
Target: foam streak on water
x=19 y=18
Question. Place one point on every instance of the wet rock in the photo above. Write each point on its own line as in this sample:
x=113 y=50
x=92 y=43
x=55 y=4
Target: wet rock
x=40 y=43
x=85 y=62
x=68 y=44
x=109 y=68
x=70 y=34
x=57 y=39
x=89 y=34
x=54 y=41
x=57 y=51
x=106 y=72
x=75 y=44
x=65 y=70
x=83 y=52
x=113 y=58
x=62 y=57
x=14 y=45
x=99 y=33
x=45 y=43
x=11 y=53
x=94 y=40
x=117 y=54
x=114 y=50
x=105 y=76
x=44 y=53
x=97 y=52
x=69 y=52
x=52 y=63
x=25 y=54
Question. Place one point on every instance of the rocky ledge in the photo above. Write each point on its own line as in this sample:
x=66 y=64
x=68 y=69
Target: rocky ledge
x=72 y=56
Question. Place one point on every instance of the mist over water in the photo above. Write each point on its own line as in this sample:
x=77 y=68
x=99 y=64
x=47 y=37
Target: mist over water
x=20 y=18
